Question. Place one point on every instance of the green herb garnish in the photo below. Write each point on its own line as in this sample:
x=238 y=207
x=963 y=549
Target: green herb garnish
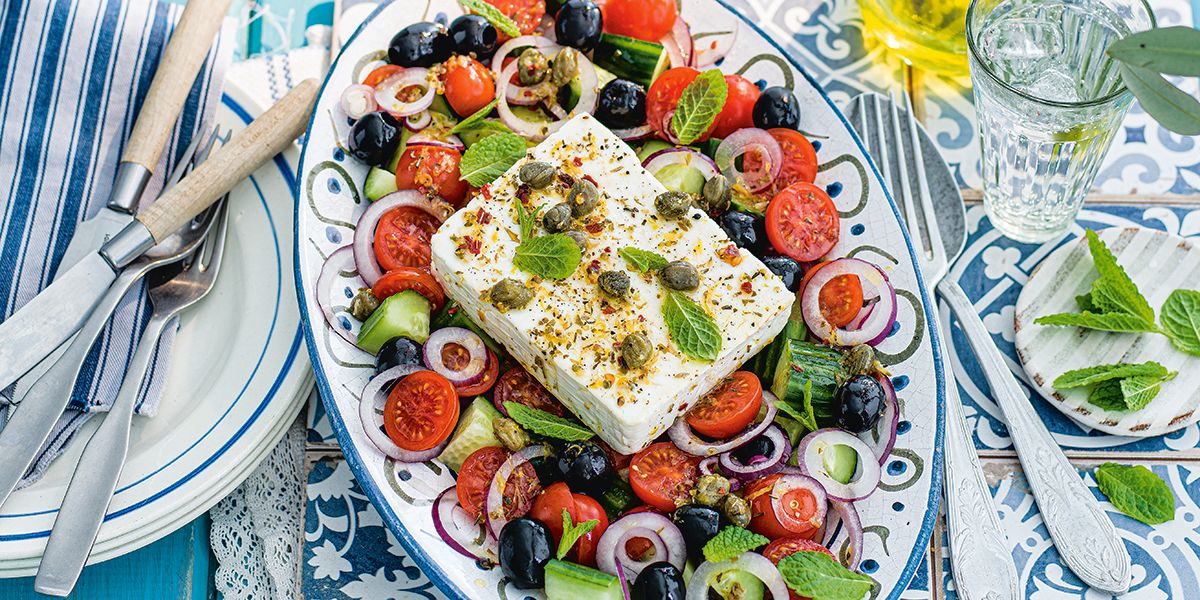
x=817 y=576
x=543 y=423
x=553 y=256
x=526 y=219
x=731 y=542
x=1137 y=492
x=698 y=107
x=476 y=118
x=572 y=533
x=1181 y=320
x=1094 y=375
x=489 y=158
x=1114 y=302
x=691 y=328
x=500 y=20
x=642 y=260
x=1118 y=387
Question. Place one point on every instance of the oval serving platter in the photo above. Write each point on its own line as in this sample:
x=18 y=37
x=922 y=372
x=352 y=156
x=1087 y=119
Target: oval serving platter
x=898 y=518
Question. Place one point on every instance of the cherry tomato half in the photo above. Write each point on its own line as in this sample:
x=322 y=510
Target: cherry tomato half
x=421 y=411
x=729 y=408
x=483 y=385
x=784 y=547
x=380 y=73
x=799 y=505
x=526 y=13
x=475 y=477
x=739 y=106
x=517 y=385
x=469 y=85
x=663 y=475
x=799 y=160
x=410 y=278
x=433 y=171
x=548 y=508
x=663 y=96
x=802 y=222
x=402 y=238
x=648 y=20
x=840 y=300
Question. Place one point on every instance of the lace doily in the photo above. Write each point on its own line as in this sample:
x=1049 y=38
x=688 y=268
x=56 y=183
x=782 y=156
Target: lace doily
x=255 y=530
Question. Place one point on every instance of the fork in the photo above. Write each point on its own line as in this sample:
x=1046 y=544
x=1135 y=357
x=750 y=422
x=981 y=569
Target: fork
x=1085 y=537
x=173 y=288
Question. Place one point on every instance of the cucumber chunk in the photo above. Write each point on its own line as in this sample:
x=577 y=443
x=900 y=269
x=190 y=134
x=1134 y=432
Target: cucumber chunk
x=840 y=462
x=807 y=377
x=637 y=60
x=650 y=147
x=736 y=584
x=681 y=178
x=380 y=182
x=403 y=315
x=474 y=432
x=569 y=581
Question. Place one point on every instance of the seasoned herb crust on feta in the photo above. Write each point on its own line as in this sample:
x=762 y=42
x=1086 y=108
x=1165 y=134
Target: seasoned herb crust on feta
x=569 y=335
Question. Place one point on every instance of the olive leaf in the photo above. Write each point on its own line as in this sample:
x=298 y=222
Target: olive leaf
x=1170 y=106
x=1168 y=50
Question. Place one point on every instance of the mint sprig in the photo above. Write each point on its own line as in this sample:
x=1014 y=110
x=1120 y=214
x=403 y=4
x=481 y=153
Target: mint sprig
x=691 y=328
x=572 y=533
x=489 y=158
x=642 y=260
x=698 y=107
x=1114 y=302
x=1137 y=492
x=731 y=542
x=1181 y=320
x=1093 y=375
x=526 y=219
x=553 y=256
x=817 y=576
x=1118 y=387
x=500 y=20
x=545 y=424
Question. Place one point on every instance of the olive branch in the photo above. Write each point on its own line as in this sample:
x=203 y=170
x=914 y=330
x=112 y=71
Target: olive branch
x=1144 y=57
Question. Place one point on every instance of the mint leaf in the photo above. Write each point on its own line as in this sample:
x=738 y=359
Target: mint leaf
x=1118 y=322
x=476 y=118
x=489 y=158
x=1173 y=108
x=1181 y=320
x=1092 y=375
x=693 y=330
x=500 y=20
x=698 y=107
x=526 y=219
x=546 y=424
x=1108 y=395
x=572 y=533
x=732 y=542
x=642 y=260
x=1169 y=50
x=1115 y=288
x=817 y=576
x=553 y=256
x=1139 y=391
x=1137 y=492
x=804 y=417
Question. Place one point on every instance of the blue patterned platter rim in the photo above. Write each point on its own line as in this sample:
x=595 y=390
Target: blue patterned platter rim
x=898 y=518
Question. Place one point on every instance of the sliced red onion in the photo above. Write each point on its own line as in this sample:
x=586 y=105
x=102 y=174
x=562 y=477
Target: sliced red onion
x=477 y=352
x=712 y=48
x=496 y=515
x=745 y=141
x=341 y=260
x=461 y=532
x=812 y=461
x=634 y=133
x=845 y=513
x=759 y=466
x=364 y=230
x=624 y=581
x=387 y=91
x=865 y=313
x=450 y=141
x=879 y=321
x=681 y=38
x=589 y=90
x=751 y=562
x=357 y=100
x=681 y=156
x=657 y=529
x=882 y=437
x=685 y=439
x=370 y=409
x=665 y=127
x=418 y=121
x=794 y=481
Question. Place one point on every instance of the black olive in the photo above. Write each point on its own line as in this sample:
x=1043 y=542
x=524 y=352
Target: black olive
x=579 y=24
x=585 y=468
x=860 y=401
x=622 y=104
x=396 y=352
x=420 y=45
x=745 y=230
x=787 y=269
x=375 y=138
x=658 y=581
x=525 y=548
x=777 y=107
x=698 y=524
x=759 y=446
x=473 y=34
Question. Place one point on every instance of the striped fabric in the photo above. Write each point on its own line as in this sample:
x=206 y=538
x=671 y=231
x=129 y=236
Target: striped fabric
x=72 y=76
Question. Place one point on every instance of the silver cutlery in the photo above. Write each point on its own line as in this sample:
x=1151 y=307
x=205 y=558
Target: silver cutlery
x=1086 y=539
x=34 y=331
x=95 y=480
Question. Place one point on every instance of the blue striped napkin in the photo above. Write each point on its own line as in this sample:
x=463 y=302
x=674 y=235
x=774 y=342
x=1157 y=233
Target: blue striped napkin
x=72 y=76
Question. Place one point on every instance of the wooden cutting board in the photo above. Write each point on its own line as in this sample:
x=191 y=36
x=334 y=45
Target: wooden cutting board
x=1158 y=263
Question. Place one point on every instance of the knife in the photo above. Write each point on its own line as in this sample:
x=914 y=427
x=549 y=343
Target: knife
x=24 y=339
x=77 y=292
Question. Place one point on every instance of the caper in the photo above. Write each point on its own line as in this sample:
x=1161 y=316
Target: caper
x=363 y=304
x=711 y=489
x=532 y=67
x=614 y=283
x=537 y=174
x=579 y=237
x=509 y=434
x=636 y=350
x=557 y=218
x=509 y=293
x=583 y=197
x=737 y=510
x=566 y=67
x=680 y=275
x=860 y=360
x=672 y=204
x=716 y=194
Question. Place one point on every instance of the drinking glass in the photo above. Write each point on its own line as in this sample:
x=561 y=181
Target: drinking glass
x=1048 y=100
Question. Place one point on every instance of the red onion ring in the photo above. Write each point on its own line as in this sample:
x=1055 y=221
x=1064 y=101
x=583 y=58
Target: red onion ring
x=750 y=562
x=342 y=259
x=865 y=313
x=494 y=506
x=475 y=369
x=781 y=449
x=845 y=512
x=387 y=91
x=373 y=400
x=364 y=230
x=793 y=481
x=589 y=86
x=634 y=133
x=660 y=531
x=685 y=439
x=450 y=141
x=357 y=100
x=678 y=44
x=882 y=437
x=742 y=142
x=707 y=54
x=624 y=582
x=878 y=323
x=866 y=476
x=681 y=156
x=418 y=121
x=450 y=521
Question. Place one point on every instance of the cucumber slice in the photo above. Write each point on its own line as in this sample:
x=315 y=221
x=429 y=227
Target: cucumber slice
x=637 y=60
x=807 y=378
x=618 y=498
x=840 y=462
x=441 y=106
x=569 y=581
x=650 y=147
x=736 y=584
x=379 y=183
x=529 y=114
x=681 y=178
x=453 y=315
x=474 y=432
x=403 y=315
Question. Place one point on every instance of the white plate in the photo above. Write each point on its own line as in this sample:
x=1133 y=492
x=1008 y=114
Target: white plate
x=238 y=377
x=1158 y=263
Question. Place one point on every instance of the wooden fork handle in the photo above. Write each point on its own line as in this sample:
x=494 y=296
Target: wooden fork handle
x=267 y=136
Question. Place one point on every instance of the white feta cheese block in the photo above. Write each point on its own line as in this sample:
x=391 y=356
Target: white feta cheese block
x=568 y=335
